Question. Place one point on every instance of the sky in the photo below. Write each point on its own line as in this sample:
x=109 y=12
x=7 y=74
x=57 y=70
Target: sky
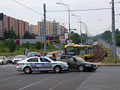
x=96 y=21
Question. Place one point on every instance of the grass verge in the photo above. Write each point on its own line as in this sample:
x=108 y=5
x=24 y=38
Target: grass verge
x=110 y=56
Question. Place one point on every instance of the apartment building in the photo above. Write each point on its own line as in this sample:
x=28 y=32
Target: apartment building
x=10 y=23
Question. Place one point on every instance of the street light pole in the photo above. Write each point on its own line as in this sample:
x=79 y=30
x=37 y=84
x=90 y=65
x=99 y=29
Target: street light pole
x=68 y=18
x=80 y=26
x=113 y=33
x=45 y=45
x=86 y=29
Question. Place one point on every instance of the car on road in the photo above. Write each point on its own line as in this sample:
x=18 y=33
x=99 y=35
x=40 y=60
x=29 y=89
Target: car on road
x=3 y=60
x=10 y=59
x=77 y=63
x=32 y=64
x=32 y=54
x=18 y=58
x=50 y=54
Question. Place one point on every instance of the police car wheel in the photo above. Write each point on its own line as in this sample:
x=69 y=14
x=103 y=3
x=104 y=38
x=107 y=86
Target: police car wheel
x=80 y=68
x=27 y=70
x=57 y=69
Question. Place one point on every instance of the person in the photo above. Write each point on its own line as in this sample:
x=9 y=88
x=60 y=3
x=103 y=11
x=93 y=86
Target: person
x=53 y=57
x=26 y=51
x=106 y=57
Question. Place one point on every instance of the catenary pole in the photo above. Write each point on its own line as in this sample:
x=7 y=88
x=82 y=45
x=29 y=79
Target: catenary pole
x=45 y=45
x=113 y=33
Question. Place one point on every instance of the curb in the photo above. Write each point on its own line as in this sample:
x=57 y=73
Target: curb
x=107 y=64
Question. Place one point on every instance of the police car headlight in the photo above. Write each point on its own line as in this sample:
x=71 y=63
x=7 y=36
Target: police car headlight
x=65 y=64
x=88 y=65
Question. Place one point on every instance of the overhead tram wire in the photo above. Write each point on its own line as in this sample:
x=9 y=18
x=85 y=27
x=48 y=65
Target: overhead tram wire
x=29 y=8
x=77 y=10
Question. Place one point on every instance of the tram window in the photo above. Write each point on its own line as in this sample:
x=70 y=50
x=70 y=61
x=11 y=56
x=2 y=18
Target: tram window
x=70 y=51
x=89 y=50
x=82 y=51
x=77 y=52
x=85 y=50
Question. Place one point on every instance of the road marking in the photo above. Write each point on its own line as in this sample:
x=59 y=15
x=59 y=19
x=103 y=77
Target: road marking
x=56 y=85
x=33 y=84
x=74 y=74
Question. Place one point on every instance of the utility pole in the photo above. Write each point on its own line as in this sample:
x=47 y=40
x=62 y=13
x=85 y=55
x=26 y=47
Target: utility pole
x=69 y=36
x=45 y=45
x=113 y=33
x=81 y=30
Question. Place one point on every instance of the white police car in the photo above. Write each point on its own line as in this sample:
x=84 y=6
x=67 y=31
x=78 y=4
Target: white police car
x=40 y=64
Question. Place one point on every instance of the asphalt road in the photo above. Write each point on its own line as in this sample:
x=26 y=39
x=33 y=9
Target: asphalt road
x=105 y=78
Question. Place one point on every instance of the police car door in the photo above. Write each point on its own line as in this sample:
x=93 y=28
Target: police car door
x=34 y=63
x=45 y=64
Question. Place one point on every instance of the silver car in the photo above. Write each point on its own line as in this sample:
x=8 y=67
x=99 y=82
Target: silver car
x=3 y=60
x=40 y=64
x=18 y=58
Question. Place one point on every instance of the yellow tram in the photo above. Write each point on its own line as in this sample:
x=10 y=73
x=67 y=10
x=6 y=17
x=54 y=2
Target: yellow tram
x=84 y=51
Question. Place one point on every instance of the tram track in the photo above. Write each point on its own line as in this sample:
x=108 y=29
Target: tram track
x=98 y=54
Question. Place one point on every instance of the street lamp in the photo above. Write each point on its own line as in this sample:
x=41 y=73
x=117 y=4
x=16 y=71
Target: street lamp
x=86 y=30
x=80 y=25
x=68 y=17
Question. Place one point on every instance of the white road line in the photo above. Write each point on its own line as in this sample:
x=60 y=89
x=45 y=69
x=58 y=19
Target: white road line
x=7 y=78
x=33 y=84
x=61 y=82
x=56 y=85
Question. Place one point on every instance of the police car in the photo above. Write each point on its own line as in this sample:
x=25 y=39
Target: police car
x=40 y=64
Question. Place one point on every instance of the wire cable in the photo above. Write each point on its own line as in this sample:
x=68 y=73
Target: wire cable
x=28 y=7
x=97 y=9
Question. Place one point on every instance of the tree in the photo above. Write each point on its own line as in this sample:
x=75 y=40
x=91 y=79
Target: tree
x=12 y=46
x=5 y=34
x=38 y=45
x=27 y=45
x=27 y=35
x=75 y=38
x=9 y=34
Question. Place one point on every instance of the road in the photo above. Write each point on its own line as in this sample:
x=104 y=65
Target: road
x=105 y=78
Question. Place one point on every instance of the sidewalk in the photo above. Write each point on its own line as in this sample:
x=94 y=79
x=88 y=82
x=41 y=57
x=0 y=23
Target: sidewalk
x=107 y=64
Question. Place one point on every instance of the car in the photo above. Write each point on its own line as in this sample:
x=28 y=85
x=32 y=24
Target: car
x=18 y=58
x=50 y=54
x=32 y=54
x=10 y=59
x=77 y=63
x=44 y=63
x=3 y=60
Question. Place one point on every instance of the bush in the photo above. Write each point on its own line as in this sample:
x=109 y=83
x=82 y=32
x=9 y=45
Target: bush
x=12 y=46
x=38 y=45
x=28 y=45
x=6 y=43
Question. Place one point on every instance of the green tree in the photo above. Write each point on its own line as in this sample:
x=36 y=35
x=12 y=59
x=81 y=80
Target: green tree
x=118 y=40
x=58 y=41
x=75 y=38
x=38 y=45
x=12 y=46
x=5 y=34
x=27 y=35
x=9 y=34
x=28 y=45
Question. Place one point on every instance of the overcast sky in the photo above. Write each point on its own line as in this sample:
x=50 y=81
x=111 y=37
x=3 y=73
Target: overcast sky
x=96 y=21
